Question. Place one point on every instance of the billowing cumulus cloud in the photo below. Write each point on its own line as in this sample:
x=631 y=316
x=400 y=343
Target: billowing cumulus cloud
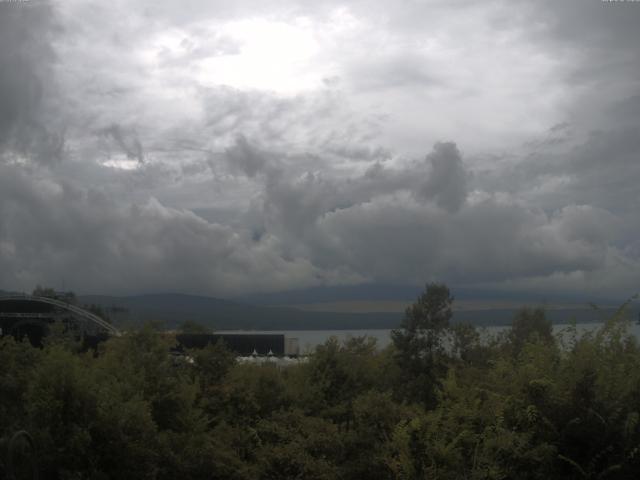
x=446 y=182
x=60 y=232
x=234 y=147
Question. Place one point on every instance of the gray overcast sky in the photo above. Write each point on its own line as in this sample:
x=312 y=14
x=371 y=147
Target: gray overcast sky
x=256 y=146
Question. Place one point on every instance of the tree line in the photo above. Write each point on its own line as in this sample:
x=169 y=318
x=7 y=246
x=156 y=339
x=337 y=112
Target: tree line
x=441 y=402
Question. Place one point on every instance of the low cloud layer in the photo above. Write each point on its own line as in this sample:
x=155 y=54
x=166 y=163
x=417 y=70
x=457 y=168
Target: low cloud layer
x=260 y=148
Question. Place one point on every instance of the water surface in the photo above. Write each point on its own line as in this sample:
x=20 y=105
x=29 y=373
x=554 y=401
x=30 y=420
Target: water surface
x=309 y=339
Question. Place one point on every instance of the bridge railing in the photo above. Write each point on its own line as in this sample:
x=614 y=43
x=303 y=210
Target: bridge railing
x=66 y=306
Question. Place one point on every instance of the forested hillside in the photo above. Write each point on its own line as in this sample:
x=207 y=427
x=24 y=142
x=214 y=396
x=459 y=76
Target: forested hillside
x=438 y=404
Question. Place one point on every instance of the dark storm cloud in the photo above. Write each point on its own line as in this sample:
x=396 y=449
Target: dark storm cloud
x=244 y=157
x=626 y=110
x=416 y=221
x=400 y=70
x=25 y=81
x=126 y=140
x=56 y=231
x=598 y=43
x=447 y=183
x=608 y=27
x=293 y=202
x=490 y=240
x=322 y=120
x=440 y=177
x=599 y=168
x=322 y=183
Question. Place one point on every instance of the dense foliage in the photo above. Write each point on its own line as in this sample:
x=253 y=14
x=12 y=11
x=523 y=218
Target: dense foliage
x=441 y=402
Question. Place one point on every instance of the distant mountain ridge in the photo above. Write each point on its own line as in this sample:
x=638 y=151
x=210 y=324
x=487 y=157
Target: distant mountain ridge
x=383 y=292
x=172 y=309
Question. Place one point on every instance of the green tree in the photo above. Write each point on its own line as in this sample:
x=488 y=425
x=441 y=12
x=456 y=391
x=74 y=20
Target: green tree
x=337 y=374
x=530 y=326
x=295 y=446
x=419 y=344
x=467 y=345
x=18 y=360
x=191 y=326
x=252 y=392
x=211 y=366
x=367 y=444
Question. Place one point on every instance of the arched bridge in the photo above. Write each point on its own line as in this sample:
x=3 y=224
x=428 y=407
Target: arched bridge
x=77 y=311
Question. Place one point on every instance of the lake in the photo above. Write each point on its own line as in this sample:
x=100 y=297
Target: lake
x=309 y=339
